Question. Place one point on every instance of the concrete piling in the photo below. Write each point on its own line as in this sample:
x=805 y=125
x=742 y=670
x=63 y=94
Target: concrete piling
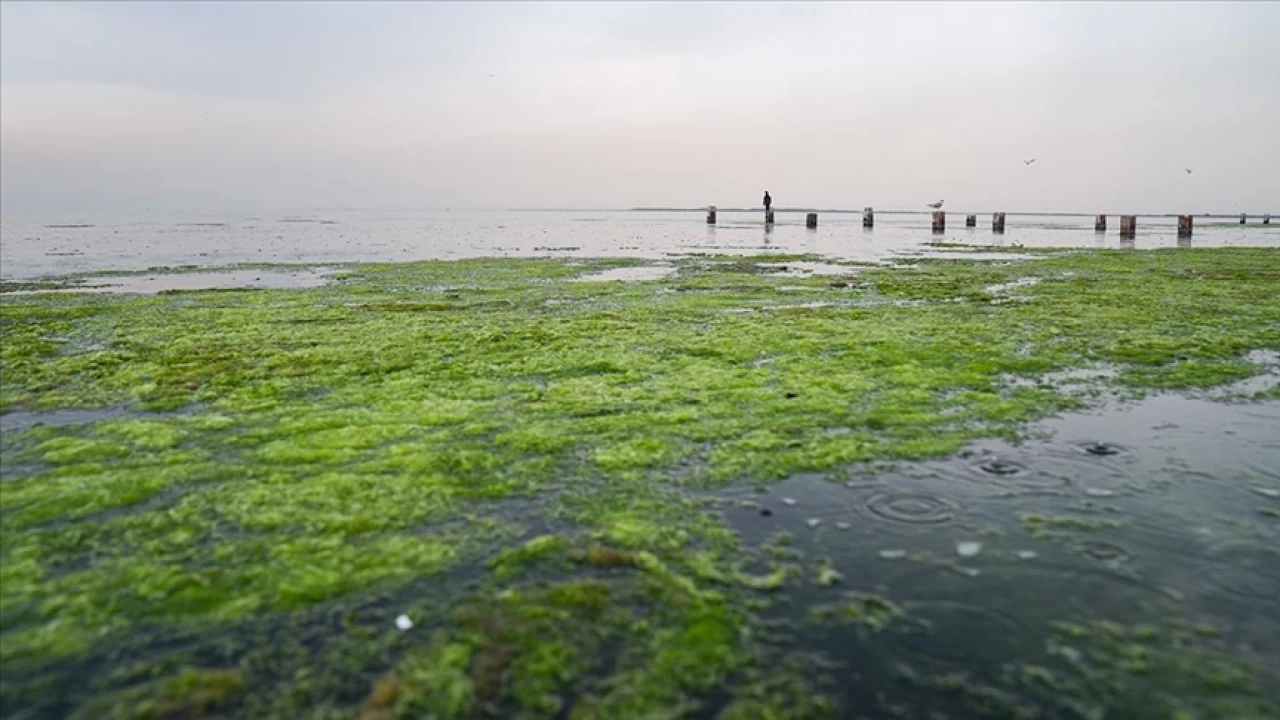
x=1266 y=219
x=1242 y=218
x=971 y=221
x=1185 y=223
x=868 y=217
x=711 y=215
x=1100 y=223
x=939 y=221
x=997 y=222
x=1128 y=226
x=811 y=220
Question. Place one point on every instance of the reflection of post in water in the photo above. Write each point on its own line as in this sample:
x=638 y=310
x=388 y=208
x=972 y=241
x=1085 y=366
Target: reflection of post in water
x=768 y=230
x=1184 y=241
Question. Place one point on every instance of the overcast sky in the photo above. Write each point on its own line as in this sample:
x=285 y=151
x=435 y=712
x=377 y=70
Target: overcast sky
x=239 y=106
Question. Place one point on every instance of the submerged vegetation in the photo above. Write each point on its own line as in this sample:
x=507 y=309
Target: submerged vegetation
x=521 y=466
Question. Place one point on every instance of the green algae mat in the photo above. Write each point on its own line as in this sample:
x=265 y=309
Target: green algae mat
x=488 y=489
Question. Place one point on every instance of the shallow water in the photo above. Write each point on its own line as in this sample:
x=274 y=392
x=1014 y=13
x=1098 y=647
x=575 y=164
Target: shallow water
x=35 y=246
x=257 y=279
x=1165 y=511
x=631 y=274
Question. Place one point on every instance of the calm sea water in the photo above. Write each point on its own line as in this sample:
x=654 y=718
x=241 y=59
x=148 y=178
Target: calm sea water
x=34 y=246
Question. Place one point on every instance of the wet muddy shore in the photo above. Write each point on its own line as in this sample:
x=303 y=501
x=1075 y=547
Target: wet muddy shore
x=1040 y=484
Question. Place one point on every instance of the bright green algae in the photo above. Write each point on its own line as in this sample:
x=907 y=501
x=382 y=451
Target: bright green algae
x=511 y=459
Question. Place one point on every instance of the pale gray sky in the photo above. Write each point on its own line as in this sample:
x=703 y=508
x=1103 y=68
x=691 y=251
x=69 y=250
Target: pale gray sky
x=242 y=106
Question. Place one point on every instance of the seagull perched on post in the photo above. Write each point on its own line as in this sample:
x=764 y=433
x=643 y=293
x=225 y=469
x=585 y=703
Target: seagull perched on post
x=937 y=205
x=1028 y=162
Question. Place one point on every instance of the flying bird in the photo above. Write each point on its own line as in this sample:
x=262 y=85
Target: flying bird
x=1188 y=170
x=1028 y=162
x=937 y=205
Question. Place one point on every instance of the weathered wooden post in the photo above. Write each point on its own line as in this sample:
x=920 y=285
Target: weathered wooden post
x=997 y=222
x=1128 y=226
x=939 y=221
x=1266 y=219
x=1100 y=223
x=1184 y=225
x=811 y=220
x=971 y=221
x=1242 y=218
x=868 y=217
x=711 y=215
x=768 y=216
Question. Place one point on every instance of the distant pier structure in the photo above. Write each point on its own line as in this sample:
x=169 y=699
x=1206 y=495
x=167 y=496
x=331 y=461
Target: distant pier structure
x=1128 y=226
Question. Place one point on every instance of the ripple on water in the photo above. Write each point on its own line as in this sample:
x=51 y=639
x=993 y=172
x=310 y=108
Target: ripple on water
x=1245 y=572
x=953 y=632
x=1107 y=553
x=1016 y=474
x=1098 y=448
x=911 y=507
x=1001 y=468
x=1270 y=472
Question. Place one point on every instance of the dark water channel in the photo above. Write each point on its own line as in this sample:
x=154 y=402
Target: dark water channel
x=1162 y=515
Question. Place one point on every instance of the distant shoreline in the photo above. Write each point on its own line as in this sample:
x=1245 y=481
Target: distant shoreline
x=842 y=211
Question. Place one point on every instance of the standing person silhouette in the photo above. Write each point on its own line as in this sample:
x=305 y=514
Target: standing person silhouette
x=768 y=201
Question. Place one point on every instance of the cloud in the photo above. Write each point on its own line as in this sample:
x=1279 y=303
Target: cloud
x=620 y=104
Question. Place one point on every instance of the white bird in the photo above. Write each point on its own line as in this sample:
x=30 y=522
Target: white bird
x=1028 y=162
x=937 y=205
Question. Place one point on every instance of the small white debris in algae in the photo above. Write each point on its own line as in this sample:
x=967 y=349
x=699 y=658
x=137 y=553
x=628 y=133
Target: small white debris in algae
x=1095 y=492
x=968 y=548
x=815 y=522
x=788 y=501
x=969 y=572
x=893 y=554
x=403 y=622
x=843 y=525
x=1267 y=492
x=1027 y=554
